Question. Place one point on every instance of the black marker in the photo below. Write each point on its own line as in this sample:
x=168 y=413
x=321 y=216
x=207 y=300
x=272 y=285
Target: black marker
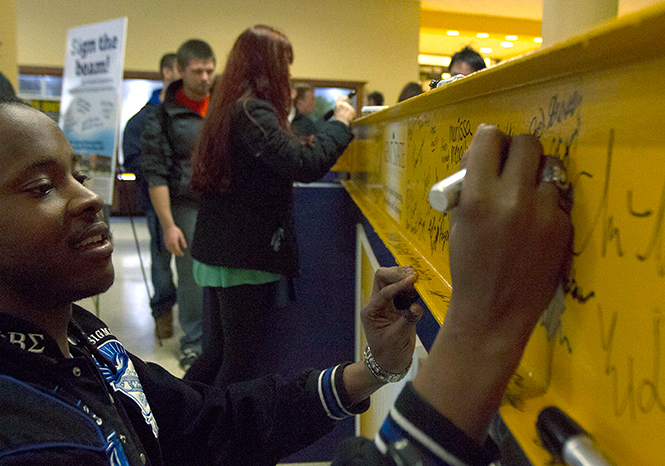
x=329 y=114
x=566 y=440
x=404 y=299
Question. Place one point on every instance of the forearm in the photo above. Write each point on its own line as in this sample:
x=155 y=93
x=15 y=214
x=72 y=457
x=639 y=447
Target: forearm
x=465 y=375
x=161 y=201
x=359 y=381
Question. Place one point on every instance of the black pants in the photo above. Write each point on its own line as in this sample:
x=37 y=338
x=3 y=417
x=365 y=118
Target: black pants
x=247 y=332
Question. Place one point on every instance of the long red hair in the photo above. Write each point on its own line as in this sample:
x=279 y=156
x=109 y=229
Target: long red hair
x=257 y=67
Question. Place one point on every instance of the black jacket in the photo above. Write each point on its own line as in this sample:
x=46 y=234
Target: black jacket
x=118 y=410
x=106 y=407
x=131 y=146
x=302 y=125
x=167 y=141
x=251 y=226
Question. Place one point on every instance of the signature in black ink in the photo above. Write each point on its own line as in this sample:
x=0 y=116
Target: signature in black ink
x=460 y=131
x=655 y=246
x=610 y=231
x=557 y=112
x=644 y=396
x=575 y=290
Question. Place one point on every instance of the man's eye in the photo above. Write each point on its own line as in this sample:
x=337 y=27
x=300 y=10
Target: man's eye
x=40 y=188
x=81 y=177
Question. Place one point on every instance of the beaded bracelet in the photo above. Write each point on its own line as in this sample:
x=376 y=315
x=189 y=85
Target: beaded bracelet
x=382 y=375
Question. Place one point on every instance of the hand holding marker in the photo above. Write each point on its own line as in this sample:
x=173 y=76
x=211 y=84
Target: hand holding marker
x=444 y=195
x=329 y=114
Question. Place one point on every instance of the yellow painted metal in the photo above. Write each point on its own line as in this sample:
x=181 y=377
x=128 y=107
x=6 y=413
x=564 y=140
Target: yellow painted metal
x=596 y=102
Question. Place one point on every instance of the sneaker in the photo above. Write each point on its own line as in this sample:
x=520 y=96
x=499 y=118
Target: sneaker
x=164 y=325
x=187 y=358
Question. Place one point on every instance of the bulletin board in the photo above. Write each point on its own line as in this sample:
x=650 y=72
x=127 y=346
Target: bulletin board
x=598 y=103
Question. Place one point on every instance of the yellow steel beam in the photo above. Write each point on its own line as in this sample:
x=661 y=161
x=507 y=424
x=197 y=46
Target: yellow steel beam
x=596 y=102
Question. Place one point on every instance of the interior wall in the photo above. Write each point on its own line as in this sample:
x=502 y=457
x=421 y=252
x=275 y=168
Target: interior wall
x=372 y=40
x=8 y=49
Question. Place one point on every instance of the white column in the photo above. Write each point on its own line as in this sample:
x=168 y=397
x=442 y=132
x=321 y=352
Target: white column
x=563 y=19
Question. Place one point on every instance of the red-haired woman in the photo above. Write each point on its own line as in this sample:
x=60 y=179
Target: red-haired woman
x=245 y=164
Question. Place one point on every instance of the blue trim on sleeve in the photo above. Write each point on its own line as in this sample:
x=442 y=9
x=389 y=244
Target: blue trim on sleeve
x=413 y=421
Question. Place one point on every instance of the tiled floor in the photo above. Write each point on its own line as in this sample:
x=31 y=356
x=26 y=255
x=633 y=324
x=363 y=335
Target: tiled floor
x=125 y=306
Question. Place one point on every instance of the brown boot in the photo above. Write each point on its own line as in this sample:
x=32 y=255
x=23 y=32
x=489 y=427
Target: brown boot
x=164 y=325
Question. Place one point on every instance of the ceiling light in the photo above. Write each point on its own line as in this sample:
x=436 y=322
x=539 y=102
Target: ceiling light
x=445 y=75
x=482 y=35
x=486 y=50
x=538 y=40
x=452 y=33
x=507 y=45
x=435 y=60
x=511 y=37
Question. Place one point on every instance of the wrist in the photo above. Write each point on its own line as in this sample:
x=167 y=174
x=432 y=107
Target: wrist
x=360 y=383
x=464 y=378
x=381 y=374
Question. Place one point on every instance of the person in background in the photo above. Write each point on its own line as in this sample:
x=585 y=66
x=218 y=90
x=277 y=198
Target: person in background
x=6 y=85
x=244 y=165
x=374 y=99
x=304 y=103
x=465 y=62
x=164 y=297
x=411 y=89
x=90 y=401
x=167 y=141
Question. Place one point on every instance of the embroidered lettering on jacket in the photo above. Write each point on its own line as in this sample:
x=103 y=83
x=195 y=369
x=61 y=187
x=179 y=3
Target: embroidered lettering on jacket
x=31 y=342
x=277 y=238
x=98 y=335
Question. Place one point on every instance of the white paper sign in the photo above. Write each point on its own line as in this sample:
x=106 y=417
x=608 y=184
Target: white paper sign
x=92 y=97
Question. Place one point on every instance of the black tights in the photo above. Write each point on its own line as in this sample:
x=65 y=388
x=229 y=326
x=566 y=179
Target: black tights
x=244 y=334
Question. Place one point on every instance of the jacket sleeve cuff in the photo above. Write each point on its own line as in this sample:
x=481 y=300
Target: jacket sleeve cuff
x=333 y=395
x=415 y=423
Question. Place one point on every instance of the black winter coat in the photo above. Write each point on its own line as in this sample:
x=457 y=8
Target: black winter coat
x=118 y=410
x=167 y=141
x=251 y=226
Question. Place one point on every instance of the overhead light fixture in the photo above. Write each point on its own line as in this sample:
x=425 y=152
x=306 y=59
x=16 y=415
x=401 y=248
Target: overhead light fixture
x=486 y=50
x=452 y=33
x=126 y=176
x=538 y=40
x=507 y=45
x=482 y=35
x=434 y=60
x=511 y=37
x=445 y=75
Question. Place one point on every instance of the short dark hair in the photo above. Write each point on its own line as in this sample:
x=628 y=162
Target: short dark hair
x=7 y=96
x=301 y=90
x=411 y=89
x=167 y=61
x=470 y=57
x=192 y=49
x=376 y=96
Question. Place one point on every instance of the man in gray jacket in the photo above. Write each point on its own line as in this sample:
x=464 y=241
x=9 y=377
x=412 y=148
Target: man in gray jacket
x=167 y=141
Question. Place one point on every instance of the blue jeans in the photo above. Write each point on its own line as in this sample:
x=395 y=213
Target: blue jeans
x=190 y=294
x=164 y=297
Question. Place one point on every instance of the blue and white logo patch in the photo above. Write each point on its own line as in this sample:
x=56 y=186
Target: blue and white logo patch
x=126 y=380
